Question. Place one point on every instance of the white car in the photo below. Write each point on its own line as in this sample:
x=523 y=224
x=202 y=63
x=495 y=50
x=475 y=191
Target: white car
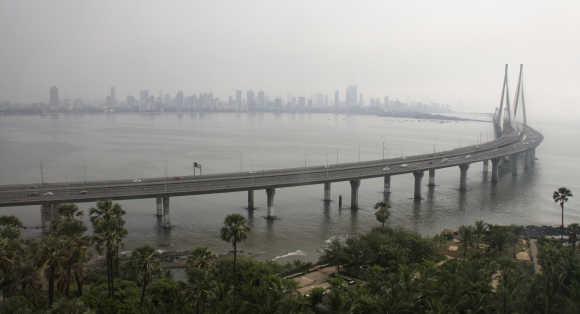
x=137 y=180
x=404 y=166
x=386 y=169
x=49 y=193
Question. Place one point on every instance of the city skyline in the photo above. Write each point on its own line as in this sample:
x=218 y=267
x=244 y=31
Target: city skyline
x=240 y=100
x=448 y=52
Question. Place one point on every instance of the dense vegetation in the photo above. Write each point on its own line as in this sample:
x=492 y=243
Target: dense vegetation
x=384 y=271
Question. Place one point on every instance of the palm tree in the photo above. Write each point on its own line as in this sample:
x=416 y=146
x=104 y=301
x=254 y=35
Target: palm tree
x=199 y=265
x=573 y=230
x=70 y=228
x=10 y=252
x=145 y=261
x=382 y=213
x=466 y=235
x=234 y=231
x=108 y=229
x=561 y=196
x=480 y=229
x=50 y=259
x=10 y=227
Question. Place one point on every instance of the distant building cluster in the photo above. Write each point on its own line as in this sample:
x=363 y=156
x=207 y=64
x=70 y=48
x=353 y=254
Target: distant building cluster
x=351 y=101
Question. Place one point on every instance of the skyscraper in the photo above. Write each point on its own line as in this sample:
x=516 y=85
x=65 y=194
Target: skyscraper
x=179 y=100
x=53 y=99
x=261 y=99
x=351 y=95
x=336 y=98
x=113 y=96
x=251 y=99
x=239 y=99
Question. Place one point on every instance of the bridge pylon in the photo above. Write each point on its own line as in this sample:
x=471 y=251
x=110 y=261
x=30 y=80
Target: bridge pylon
x=520 y=95
x=503 y=117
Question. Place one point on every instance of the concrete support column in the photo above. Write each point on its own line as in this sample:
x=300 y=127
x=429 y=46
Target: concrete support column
x=166 y=218
x=485 y=166
x=159 y=203
x=251 y=200
x=431 y=178
x=514 y=164
x=48 y=213
x=494 y=170
x=463 y=177
x=327 y=192
x=270 y=202
x=387 y=188
x=418 y=178
x=354 y=185
x=527 y=159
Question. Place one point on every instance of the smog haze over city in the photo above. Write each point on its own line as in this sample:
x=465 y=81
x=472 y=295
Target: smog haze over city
x=446 y=51
x=265 y=156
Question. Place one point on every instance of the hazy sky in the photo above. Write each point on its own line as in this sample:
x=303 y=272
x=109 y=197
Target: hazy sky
x=447 y=51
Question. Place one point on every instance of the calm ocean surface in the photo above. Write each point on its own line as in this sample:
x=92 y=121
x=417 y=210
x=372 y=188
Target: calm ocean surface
x=93 y=147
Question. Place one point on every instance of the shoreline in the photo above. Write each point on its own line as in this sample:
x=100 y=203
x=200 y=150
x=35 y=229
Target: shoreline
x=402 y=115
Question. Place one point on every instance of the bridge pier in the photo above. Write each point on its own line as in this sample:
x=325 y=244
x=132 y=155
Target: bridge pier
x=463 y=177
x=494 y=170
x=418 y=178
x=387 y=188
x=48 y=213
x=166 y=222
x=514 y=164
x=327 y=198
x=159 y=203
x=431 y=183
x=354 y=185
x=270 y=203
x=251 y=200
x=526 y=160
x=485 y=169
x=529 y=160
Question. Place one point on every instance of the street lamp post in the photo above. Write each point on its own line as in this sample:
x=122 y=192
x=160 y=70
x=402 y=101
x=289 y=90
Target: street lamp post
x=383 y=149
x=41 y=174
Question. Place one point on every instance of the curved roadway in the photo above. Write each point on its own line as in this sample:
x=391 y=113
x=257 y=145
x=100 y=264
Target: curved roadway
x=31 y=194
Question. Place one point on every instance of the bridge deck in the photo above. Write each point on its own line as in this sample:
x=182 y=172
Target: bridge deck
x=32 y=194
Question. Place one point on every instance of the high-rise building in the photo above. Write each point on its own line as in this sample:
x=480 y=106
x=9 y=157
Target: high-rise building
x=351 y=95
x=179 y=100
x=251 y=99
x=143 y=96
x=53 y=99
x=239 y=99
x=113 y=96
x=336 y=98
x=261 y=98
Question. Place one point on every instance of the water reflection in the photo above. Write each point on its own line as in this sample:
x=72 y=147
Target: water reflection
x=354 y=220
